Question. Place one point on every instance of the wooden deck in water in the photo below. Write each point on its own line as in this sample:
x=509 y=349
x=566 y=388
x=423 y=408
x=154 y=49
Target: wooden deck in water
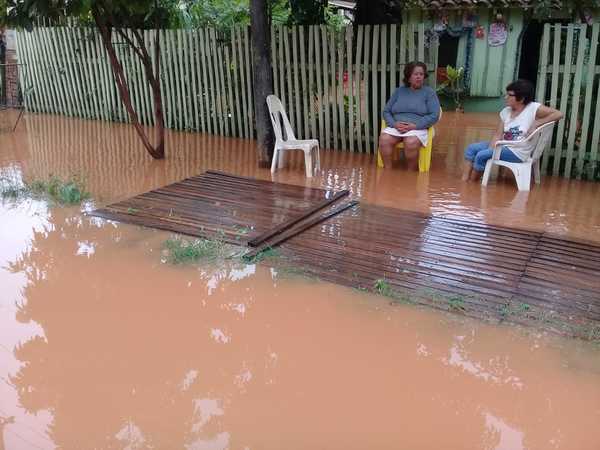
x=491 y=272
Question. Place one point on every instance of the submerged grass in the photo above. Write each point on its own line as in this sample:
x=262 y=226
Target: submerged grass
x=69 y=191
x=514 y=311
x=183 y=251
x=267 y=253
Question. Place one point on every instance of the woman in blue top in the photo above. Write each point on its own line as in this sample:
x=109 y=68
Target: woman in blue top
x=412 y=109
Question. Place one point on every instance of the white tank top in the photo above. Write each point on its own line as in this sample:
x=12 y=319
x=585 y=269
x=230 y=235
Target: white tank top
x=516 y=128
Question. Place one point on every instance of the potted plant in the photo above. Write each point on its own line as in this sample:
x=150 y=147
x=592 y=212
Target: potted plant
x=453 y=86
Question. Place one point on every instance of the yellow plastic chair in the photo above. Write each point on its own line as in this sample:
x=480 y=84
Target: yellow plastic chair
x=424 y=153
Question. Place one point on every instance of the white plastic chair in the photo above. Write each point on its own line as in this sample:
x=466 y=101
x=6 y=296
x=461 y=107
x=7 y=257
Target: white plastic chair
x=290 y=142
x=522 y=171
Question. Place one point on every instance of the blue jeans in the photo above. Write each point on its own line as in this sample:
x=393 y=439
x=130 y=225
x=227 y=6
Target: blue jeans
x=479 y=152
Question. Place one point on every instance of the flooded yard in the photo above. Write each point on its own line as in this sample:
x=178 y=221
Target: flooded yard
x=104 y=345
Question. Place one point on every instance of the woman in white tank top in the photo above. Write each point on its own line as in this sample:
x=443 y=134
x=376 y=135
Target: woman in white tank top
x=520 y=117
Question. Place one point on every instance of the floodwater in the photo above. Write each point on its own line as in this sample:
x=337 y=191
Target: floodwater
x=104 y=346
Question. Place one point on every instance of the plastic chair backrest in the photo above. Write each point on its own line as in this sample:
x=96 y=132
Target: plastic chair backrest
x=543 y=135
x=277 y=114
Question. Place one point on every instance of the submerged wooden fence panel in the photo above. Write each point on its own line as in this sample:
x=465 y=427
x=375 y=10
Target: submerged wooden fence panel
x=569 y=79
x=333 y=83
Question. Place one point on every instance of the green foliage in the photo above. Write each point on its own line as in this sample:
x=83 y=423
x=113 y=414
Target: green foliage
x=456 y=304
x=268 y=252
x=220 y=14
x=64 y=192
x=3 y=7
x=182 y=251
x=382 y=287
x=140 y=14
x=453 y=86
x=334 y=20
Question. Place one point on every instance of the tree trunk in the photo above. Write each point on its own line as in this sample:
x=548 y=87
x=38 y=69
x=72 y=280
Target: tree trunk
x=157 y=152
x=263 y=79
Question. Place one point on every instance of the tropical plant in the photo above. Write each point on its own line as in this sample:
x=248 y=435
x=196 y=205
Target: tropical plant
x=453 y=86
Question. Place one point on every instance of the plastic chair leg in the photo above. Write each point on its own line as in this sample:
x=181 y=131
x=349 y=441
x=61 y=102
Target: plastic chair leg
x=379 y=160
x=274 y=161
x=425 y=159
x=536 y=171
x=486 y=173
x=318 y=158
x=308 y=163
x=281 y=159
x=523 y=177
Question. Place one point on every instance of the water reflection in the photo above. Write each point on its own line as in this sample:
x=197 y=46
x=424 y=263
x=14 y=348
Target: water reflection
x=116 y=167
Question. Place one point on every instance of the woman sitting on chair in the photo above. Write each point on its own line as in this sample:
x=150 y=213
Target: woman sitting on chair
x=409 y=112
x=521 y=117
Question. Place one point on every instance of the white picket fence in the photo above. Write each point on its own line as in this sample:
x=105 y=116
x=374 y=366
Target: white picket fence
x=334 y=84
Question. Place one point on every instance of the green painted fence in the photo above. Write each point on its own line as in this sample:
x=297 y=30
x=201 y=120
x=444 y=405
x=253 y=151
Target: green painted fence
x=569 y=80
x=333 y=83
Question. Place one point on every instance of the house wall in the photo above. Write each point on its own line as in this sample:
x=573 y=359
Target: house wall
x=490 y=68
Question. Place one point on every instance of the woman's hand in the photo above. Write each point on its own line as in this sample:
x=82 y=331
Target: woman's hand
x=404 y=127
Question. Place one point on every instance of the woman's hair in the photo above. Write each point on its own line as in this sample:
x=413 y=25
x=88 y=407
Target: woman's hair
x=523 y=90
x=410 y=68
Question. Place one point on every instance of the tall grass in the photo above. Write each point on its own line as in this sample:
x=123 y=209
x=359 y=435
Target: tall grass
x=65 y=192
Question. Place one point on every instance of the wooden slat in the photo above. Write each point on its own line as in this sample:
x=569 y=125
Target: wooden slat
x=296 y=67
x=411 y=42
x=325 y=75
x=563 y=100
x=206 y=87
x=358 y=90
x=195 y=73
x=554 y=84
x=311 y=84
x=331 y=38
x=230 y=101
x=339 y=42
x=306 y=93
x=383 y=91
x=393 y=55
x=575 y=102
x=350 y=69
x=242 y=72
x=589 y=95
x=319 y=76
x=421 y=42
x=275 y=63
x=543 y=66
x=213 y=82
x=284 y=226
x=249 y=84
x=222 y=89
x=286 y=234
x=368 y=87
x=375 y=106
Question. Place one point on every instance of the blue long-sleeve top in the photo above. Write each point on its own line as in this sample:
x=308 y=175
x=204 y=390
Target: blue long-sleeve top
x=418 y=106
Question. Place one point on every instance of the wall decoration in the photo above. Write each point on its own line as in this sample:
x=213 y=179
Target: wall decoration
x=479 y=32
x=498 y=34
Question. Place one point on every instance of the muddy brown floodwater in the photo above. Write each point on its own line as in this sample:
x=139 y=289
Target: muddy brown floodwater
x=104 y=346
